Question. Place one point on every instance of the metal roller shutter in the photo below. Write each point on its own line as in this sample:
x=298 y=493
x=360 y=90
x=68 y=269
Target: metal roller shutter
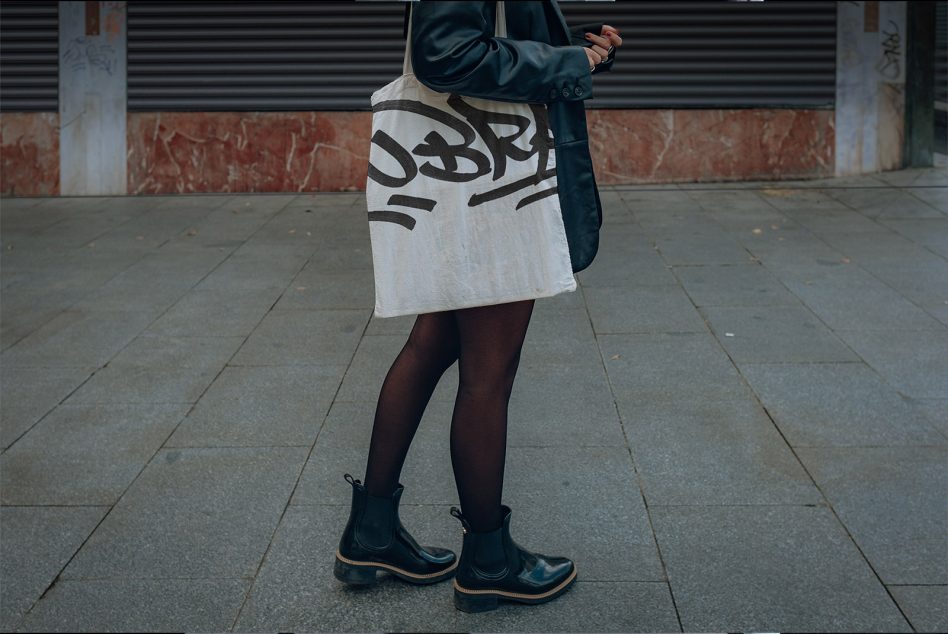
x=326 y=55
x=941 y=53
x=941 y=77
x=29 y=54
x=331 y=55
x=716 y=53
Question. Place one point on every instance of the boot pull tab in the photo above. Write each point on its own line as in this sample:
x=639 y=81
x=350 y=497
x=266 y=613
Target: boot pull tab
x=351 y=480
x=456 y=512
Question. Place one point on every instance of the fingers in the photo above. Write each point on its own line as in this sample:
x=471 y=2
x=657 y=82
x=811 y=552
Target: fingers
x=600 y=44
x=612 y=33
x=603 y=43
x=593 y=56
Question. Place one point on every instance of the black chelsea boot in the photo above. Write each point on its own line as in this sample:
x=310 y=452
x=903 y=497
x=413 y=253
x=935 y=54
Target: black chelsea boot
x=493 y=566
x=374 y=539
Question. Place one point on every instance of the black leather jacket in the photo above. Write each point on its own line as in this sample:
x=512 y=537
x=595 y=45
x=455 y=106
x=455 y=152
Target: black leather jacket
x=454 y=50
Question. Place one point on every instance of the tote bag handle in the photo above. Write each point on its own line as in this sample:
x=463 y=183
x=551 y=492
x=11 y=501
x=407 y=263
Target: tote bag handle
x=500 y=30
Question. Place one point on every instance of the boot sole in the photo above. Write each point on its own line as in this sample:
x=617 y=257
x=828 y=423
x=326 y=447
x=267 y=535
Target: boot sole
x=468 y=600
x=362 y=573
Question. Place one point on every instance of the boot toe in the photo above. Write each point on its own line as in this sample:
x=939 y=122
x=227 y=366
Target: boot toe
x=556 y=569
x=439 y=556
x=564 y=569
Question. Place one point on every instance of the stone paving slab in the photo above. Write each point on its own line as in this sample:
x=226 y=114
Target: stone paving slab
x=23 y=313
x=787 y=478
x=914 y=362
x=138 y=605
x=155 y=280
x=215 y=313
x=666 y=367
x=892 y=500
x=295 y=590
x=932 y=233
x=886 y=204
x=713 y=452
x=701 y=245
x=810 y=201
x=78 y=338
x=642 y=309
x=626 y=256
x=769 y=568
x=554 y=405
x=934 y=196
x=37 y=542
x=790 y=246
x=790 y=333
x=837 y=404
x=260 y=406
x=733 y=285
x=30 y=393
x=315 y=289
x=544 y=345
x=85 y=453
x=926 y=607
x=576 y=506
x=258 y=266
x=193 y=513
x=159 y=369
x=303 y=337
x=934 y=409
x=44 y=269
x=922 y=279
x=915 y=177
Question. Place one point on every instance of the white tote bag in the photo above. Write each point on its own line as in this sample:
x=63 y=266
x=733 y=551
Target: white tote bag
x=462 y=201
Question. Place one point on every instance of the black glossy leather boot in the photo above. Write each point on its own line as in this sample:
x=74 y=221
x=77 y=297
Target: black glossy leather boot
x=493 y=566
x=374 y=539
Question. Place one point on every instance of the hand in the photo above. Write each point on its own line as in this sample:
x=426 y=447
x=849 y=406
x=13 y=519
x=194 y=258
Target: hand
x=602 y=44
x=593 y=57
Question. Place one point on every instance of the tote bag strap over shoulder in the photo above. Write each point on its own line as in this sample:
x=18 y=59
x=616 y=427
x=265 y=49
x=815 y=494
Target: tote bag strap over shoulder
x=500 y=30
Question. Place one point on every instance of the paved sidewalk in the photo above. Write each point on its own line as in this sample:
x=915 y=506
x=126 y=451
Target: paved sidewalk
x=738 y=422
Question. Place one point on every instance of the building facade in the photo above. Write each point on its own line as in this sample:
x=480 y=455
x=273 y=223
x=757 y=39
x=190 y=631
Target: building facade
x=145 y=97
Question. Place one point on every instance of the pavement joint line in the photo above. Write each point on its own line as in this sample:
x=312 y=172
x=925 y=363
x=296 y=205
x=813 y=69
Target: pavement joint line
x=783 y=283
x=132 y=481
x=875 y=220
x=635 y=472
x=803 y=466
x=299 y=476
x=817 y=236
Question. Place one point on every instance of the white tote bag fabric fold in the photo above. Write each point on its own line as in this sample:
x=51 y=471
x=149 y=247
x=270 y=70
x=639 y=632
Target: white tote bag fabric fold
x=462 y=203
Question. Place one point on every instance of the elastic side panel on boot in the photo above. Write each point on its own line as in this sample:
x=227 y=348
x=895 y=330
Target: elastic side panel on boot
x=489 y=556
x=376 y=528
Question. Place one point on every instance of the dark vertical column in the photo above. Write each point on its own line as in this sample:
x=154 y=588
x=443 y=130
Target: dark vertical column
x=919 y=140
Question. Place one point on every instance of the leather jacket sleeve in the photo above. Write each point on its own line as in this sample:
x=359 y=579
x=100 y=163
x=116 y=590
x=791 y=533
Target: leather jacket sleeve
x=453 y=49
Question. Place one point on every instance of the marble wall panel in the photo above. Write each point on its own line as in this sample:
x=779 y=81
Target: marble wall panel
x=29 y=153
x=171 y=152
x=328 y=151
x=694 y=145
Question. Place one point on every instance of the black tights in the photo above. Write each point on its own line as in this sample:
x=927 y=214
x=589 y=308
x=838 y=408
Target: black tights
x=486 y=341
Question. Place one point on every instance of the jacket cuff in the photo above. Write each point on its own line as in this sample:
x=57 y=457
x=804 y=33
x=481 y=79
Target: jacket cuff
x=575 y=82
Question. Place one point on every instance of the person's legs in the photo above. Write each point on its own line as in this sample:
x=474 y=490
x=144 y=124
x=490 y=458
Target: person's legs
x=491 y=340
x=432 y=348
